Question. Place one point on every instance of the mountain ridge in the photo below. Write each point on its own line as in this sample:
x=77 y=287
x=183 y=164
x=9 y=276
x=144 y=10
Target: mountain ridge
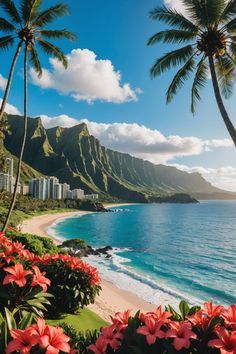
x=78 y=158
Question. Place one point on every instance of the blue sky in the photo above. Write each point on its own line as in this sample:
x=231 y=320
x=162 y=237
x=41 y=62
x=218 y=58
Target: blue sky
x=112 y=39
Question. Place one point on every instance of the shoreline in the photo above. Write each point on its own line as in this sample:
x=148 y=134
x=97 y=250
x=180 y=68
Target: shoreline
x=104 y=305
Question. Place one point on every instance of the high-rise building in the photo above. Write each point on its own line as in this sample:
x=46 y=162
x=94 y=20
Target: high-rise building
x=10 y=166
x=4 y=182
x=52 y=191
x=58 y=191
x=77 y=194
x=65 y=189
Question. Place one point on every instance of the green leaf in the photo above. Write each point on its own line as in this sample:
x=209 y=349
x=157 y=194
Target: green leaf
x=6 y=26
x=171 y=59
x=56 y=52
x=193 y=310
x=199 y=82
x=49 y=15
x=58 y=34
x=172 y=18
x=11 y=323
x=184 y=309
x=26 y=321
x=214 y=322
x=171 y=36
x=9 y=7
x=6 y=42
x=182 y=75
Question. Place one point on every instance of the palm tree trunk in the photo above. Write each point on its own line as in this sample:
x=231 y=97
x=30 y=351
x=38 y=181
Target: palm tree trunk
x=224 y=114
x=23 y=143
x=10 y=77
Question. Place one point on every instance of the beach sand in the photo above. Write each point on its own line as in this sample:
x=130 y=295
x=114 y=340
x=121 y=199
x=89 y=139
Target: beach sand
x=111 y=299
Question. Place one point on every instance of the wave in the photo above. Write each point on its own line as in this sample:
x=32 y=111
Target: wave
x=116 y=271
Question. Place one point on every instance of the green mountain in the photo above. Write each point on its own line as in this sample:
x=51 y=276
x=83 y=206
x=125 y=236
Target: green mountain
x=78 y=158
x=27 y=172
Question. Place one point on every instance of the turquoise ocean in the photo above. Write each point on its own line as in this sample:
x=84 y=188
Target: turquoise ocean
x=164 y=252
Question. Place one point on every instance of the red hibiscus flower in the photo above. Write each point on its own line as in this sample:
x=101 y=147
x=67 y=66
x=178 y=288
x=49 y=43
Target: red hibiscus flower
x=17 y=275
x=212 y=310
x=39 y=279
x=54 y=341
x=226 y=342
x=152 y=330
x=99 y=347
x=22 y=341
x=120 y=320
x=182 y=333
x=229 y=316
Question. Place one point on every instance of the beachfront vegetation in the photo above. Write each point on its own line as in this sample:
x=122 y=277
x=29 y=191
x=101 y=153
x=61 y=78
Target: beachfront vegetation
x=208 y=29
x=207 y=330
x=34 y=288
x=27 y=284
x=27 y=207
x=35 y=244
x=29 y=26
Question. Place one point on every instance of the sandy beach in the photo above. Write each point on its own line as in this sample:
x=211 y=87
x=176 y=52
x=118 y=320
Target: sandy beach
x=111 y=299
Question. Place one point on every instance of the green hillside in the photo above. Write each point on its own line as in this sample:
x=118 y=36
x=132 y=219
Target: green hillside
x=76 y=157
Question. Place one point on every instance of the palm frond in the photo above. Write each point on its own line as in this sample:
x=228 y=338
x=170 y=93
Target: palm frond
x=58 y=34
x=29 y=8
x=9 y=7
x=49 y=15
x=171 y=36
x=182 y=75
x=205 y=13
x=35 y=62
x=199 y=82
x=171 y=59
x=56 y=52
x=229 y=11
x=225 y=70
x=6 y=42
x=6 y=26
x=230 y=27
x=232 y=49
x=172 y=18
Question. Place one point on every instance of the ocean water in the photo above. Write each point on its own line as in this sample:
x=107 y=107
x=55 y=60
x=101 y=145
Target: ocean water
x=164 y=252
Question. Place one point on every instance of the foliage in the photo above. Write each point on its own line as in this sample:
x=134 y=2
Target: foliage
x=80 y=340
x=207 y=330
x=24 y=299
x=209 y=29
x=72 y=280
x=36 y=244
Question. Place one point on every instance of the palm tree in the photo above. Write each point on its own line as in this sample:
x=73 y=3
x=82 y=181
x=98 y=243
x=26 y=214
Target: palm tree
x=209 y=31
x=27 y=26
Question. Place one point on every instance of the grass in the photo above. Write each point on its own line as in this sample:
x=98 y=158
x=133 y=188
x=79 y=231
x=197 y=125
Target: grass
x=85 y=320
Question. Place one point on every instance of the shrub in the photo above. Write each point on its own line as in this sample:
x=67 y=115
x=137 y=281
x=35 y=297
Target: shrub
x=207 y=330
x=71 y=279
x=35 y=244
x=80 y=340
x=23 y=298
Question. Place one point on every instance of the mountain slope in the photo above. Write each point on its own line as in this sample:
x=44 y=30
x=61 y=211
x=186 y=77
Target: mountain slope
x=78 y=158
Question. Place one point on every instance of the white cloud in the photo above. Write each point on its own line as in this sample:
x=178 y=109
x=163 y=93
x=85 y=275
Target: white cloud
x=175 y=4
x=223 y=177
x=3 y=83
x=86 y=79
x=141 y=141
x=10 y=109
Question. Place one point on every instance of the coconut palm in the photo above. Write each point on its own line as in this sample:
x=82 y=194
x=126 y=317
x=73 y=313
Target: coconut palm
x=209 y=31
x=28 y=27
